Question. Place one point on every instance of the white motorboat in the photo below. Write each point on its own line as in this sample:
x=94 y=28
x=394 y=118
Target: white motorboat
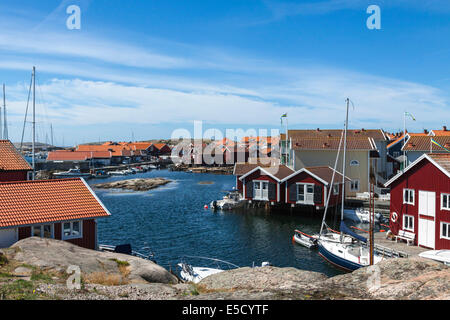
x=71 y=173
x=232 y=200
x=196 y=274
x=118 y=173
x=361 y=215
x=305 y=239
x=437 y=255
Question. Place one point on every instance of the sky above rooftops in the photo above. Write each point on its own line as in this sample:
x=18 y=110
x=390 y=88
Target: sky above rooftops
x=141 y=69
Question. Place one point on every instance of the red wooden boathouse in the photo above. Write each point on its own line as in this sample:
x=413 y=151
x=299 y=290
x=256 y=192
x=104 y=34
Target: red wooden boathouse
x=420 y=201
x=311 y=185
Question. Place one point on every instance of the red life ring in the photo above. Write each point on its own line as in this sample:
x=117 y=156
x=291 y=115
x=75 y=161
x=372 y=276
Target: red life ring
x=394 y=217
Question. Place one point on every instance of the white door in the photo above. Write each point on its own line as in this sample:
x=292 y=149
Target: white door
x=426 y=233
x=260 y=190
x=7 y=237
x=426 y=230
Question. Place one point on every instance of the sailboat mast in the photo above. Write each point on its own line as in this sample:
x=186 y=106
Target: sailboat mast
x=5 y=122
x=1 y=123
x=344 y=164
x=34 y=121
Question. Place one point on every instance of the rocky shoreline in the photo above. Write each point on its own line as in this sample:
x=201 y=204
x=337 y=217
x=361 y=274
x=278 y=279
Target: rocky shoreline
x=134 y=184
x=131 y=278
x=203 y=169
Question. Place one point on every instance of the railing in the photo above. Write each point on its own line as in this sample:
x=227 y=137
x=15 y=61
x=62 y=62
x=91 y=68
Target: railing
x=391 y=253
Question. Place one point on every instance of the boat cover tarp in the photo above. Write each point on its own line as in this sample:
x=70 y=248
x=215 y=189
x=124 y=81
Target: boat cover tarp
x=348 y=231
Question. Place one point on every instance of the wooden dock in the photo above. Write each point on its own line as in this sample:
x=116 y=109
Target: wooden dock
x=399 y=249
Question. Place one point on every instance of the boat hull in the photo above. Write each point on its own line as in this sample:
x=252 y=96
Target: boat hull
x=336 y=260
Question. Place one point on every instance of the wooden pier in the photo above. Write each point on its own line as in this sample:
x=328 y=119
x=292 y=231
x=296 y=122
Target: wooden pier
x=395 y=249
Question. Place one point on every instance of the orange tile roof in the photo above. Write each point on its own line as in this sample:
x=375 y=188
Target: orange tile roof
x=116 y=150
x=159 y=145
x=44 y=201
x=64 y=155
x=441 y=132
x=10 y=158
x=420 y=143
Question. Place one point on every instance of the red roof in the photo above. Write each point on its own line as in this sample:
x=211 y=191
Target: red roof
x=420 y=143
x=77 y=155
x=44 y=201
x=10 y=158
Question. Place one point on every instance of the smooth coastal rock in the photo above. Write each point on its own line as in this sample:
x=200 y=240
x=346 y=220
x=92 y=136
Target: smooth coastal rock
x=134 y=184
x=57 y=255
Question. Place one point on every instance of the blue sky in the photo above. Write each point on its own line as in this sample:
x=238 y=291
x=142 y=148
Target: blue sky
x=146 y=68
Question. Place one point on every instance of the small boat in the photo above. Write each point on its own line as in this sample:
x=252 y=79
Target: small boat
x=361 y=215
x=71 y=173
x=118 y=173
x=230 y=201
x=126 y=249
x=437 y=255
x=305 y=239
x=196 y=274
x=101 y=175
x=152 y=166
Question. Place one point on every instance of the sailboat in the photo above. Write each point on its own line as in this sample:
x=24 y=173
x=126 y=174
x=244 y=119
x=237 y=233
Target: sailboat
x=347 y=249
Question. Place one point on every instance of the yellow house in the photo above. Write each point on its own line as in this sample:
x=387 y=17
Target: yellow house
x=310 y=148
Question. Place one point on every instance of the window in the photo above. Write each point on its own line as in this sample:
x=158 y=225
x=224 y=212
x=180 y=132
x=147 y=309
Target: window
x=408 y=223
x=445 y=201
x=408 y=196
x=72 y=230
x=354 y=185
x=354 y=163
x=445 y=230
x=305 y=193
x=43 y=231
x=261 y=190
x=335 y=189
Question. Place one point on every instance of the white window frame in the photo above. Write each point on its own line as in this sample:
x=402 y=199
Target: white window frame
x=354 y=163
x=413 y=196
x=448 y=201
x=442 y=236
x=72 y=236
x=351 y=185
x=411 y=218
x=308 y=197
x=41 y=226
x=335 y=189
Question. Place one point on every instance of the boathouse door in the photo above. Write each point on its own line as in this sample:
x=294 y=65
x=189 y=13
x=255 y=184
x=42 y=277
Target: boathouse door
x=427 y=212
x=260 y=190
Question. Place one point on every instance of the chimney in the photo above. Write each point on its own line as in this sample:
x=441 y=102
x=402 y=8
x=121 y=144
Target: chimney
x=444 y=128
x=318 y=129
x=425 y=131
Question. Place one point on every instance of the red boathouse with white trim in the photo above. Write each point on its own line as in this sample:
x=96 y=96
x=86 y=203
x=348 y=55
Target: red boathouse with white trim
x=420 y=201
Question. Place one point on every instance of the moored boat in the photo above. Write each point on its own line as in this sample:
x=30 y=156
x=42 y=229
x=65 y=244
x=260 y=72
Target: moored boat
x=437 y=255
x=305 y=240
x=71 y=173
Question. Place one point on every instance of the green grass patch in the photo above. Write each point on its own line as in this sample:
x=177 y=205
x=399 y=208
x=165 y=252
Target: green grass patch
x=40 y=276
x=121 y=263
x=3 y=260
x=18 y=290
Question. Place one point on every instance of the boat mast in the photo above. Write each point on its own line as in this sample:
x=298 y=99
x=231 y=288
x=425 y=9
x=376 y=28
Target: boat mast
x=1 y=123
x=344 y=165
x=5 y=126
x=34 y=120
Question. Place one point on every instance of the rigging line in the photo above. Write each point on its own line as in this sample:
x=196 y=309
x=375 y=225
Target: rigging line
x=26 y=112
x=331 y=186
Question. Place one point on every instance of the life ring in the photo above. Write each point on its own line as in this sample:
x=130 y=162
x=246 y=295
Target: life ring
x=394 y=217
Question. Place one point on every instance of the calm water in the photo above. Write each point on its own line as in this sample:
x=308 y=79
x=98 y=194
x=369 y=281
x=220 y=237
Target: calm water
x=172 y=221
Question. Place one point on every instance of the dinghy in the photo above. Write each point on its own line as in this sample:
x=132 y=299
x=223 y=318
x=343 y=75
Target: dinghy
x=305 y=239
